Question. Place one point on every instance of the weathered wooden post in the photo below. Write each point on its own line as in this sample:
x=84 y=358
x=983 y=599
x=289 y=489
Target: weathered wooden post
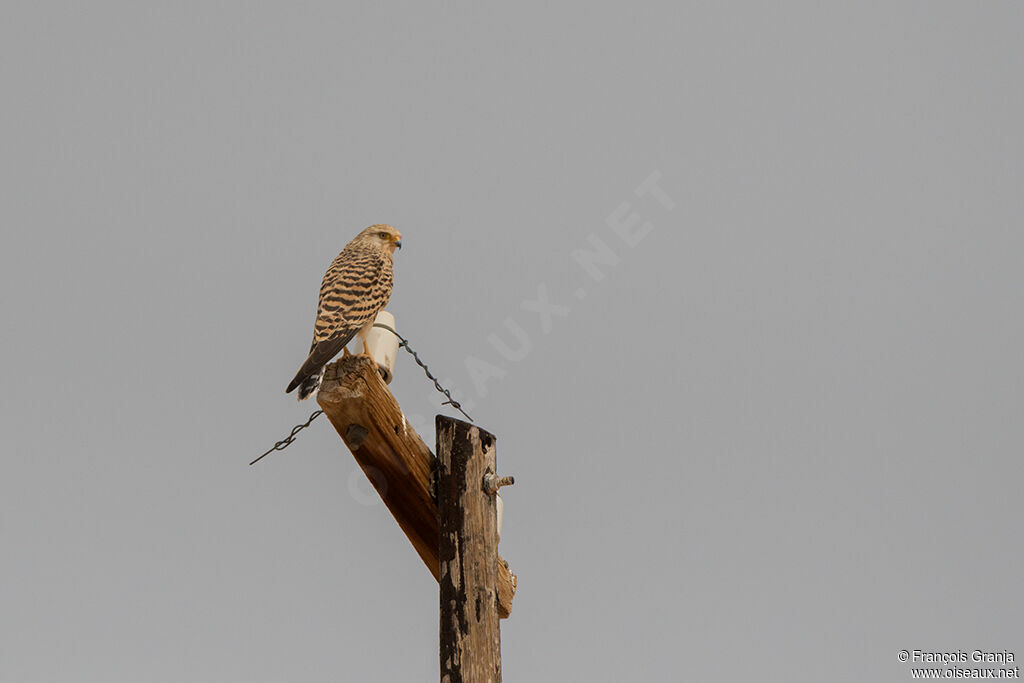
x=396 y=461
x=446 y=506
x=467 y=484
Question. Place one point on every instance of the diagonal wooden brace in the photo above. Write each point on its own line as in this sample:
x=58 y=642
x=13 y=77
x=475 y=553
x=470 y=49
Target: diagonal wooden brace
x=393 y=456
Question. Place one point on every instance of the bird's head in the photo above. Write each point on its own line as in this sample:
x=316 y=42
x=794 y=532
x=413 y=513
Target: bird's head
x=384 y=236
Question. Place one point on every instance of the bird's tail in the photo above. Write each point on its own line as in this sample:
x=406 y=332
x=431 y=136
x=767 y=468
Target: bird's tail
x=306 y=385
x=307 y=379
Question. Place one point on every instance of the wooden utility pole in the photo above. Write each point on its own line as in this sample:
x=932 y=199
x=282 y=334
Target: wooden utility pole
x=467 y=484
x=396 y=461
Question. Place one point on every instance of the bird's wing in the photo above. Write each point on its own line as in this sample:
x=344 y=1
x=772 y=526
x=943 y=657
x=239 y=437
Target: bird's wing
x=350 y=296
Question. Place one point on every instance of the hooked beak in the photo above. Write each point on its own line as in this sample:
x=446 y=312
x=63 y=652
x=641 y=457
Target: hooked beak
x=398 y=243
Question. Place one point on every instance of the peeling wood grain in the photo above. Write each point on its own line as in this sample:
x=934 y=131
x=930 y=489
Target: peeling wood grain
x=469 y=628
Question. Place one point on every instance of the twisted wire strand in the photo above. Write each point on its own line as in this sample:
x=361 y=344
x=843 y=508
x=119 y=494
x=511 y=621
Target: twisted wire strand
x=287 y=441
x=402 y=342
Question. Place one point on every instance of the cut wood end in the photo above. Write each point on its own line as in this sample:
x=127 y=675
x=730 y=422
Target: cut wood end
x=507 y=584
x=340 y=378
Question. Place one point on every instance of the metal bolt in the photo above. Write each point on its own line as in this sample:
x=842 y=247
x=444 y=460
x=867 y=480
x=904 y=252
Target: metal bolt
x=493 y=482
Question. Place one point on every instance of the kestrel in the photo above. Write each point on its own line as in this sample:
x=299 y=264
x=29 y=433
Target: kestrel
x=355 y=289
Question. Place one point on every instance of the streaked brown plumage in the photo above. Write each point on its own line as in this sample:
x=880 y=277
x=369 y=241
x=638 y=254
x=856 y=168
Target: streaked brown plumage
x=355 y=288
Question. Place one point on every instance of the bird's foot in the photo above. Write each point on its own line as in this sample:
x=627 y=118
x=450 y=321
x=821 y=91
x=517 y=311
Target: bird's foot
x=366 y=353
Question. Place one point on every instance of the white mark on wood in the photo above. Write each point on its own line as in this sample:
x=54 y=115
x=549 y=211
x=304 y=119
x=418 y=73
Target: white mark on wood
x=350 y=391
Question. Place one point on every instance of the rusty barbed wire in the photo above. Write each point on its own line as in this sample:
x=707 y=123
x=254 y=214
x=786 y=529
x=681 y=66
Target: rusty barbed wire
x=402 y=342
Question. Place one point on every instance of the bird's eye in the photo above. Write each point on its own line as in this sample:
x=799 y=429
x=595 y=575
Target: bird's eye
x=382 y=235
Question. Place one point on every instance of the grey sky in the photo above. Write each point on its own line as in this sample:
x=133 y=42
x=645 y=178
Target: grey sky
x=780 y=439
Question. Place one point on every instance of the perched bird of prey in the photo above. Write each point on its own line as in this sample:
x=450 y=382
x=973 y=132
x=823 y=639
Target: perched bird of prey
x=355 y=289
